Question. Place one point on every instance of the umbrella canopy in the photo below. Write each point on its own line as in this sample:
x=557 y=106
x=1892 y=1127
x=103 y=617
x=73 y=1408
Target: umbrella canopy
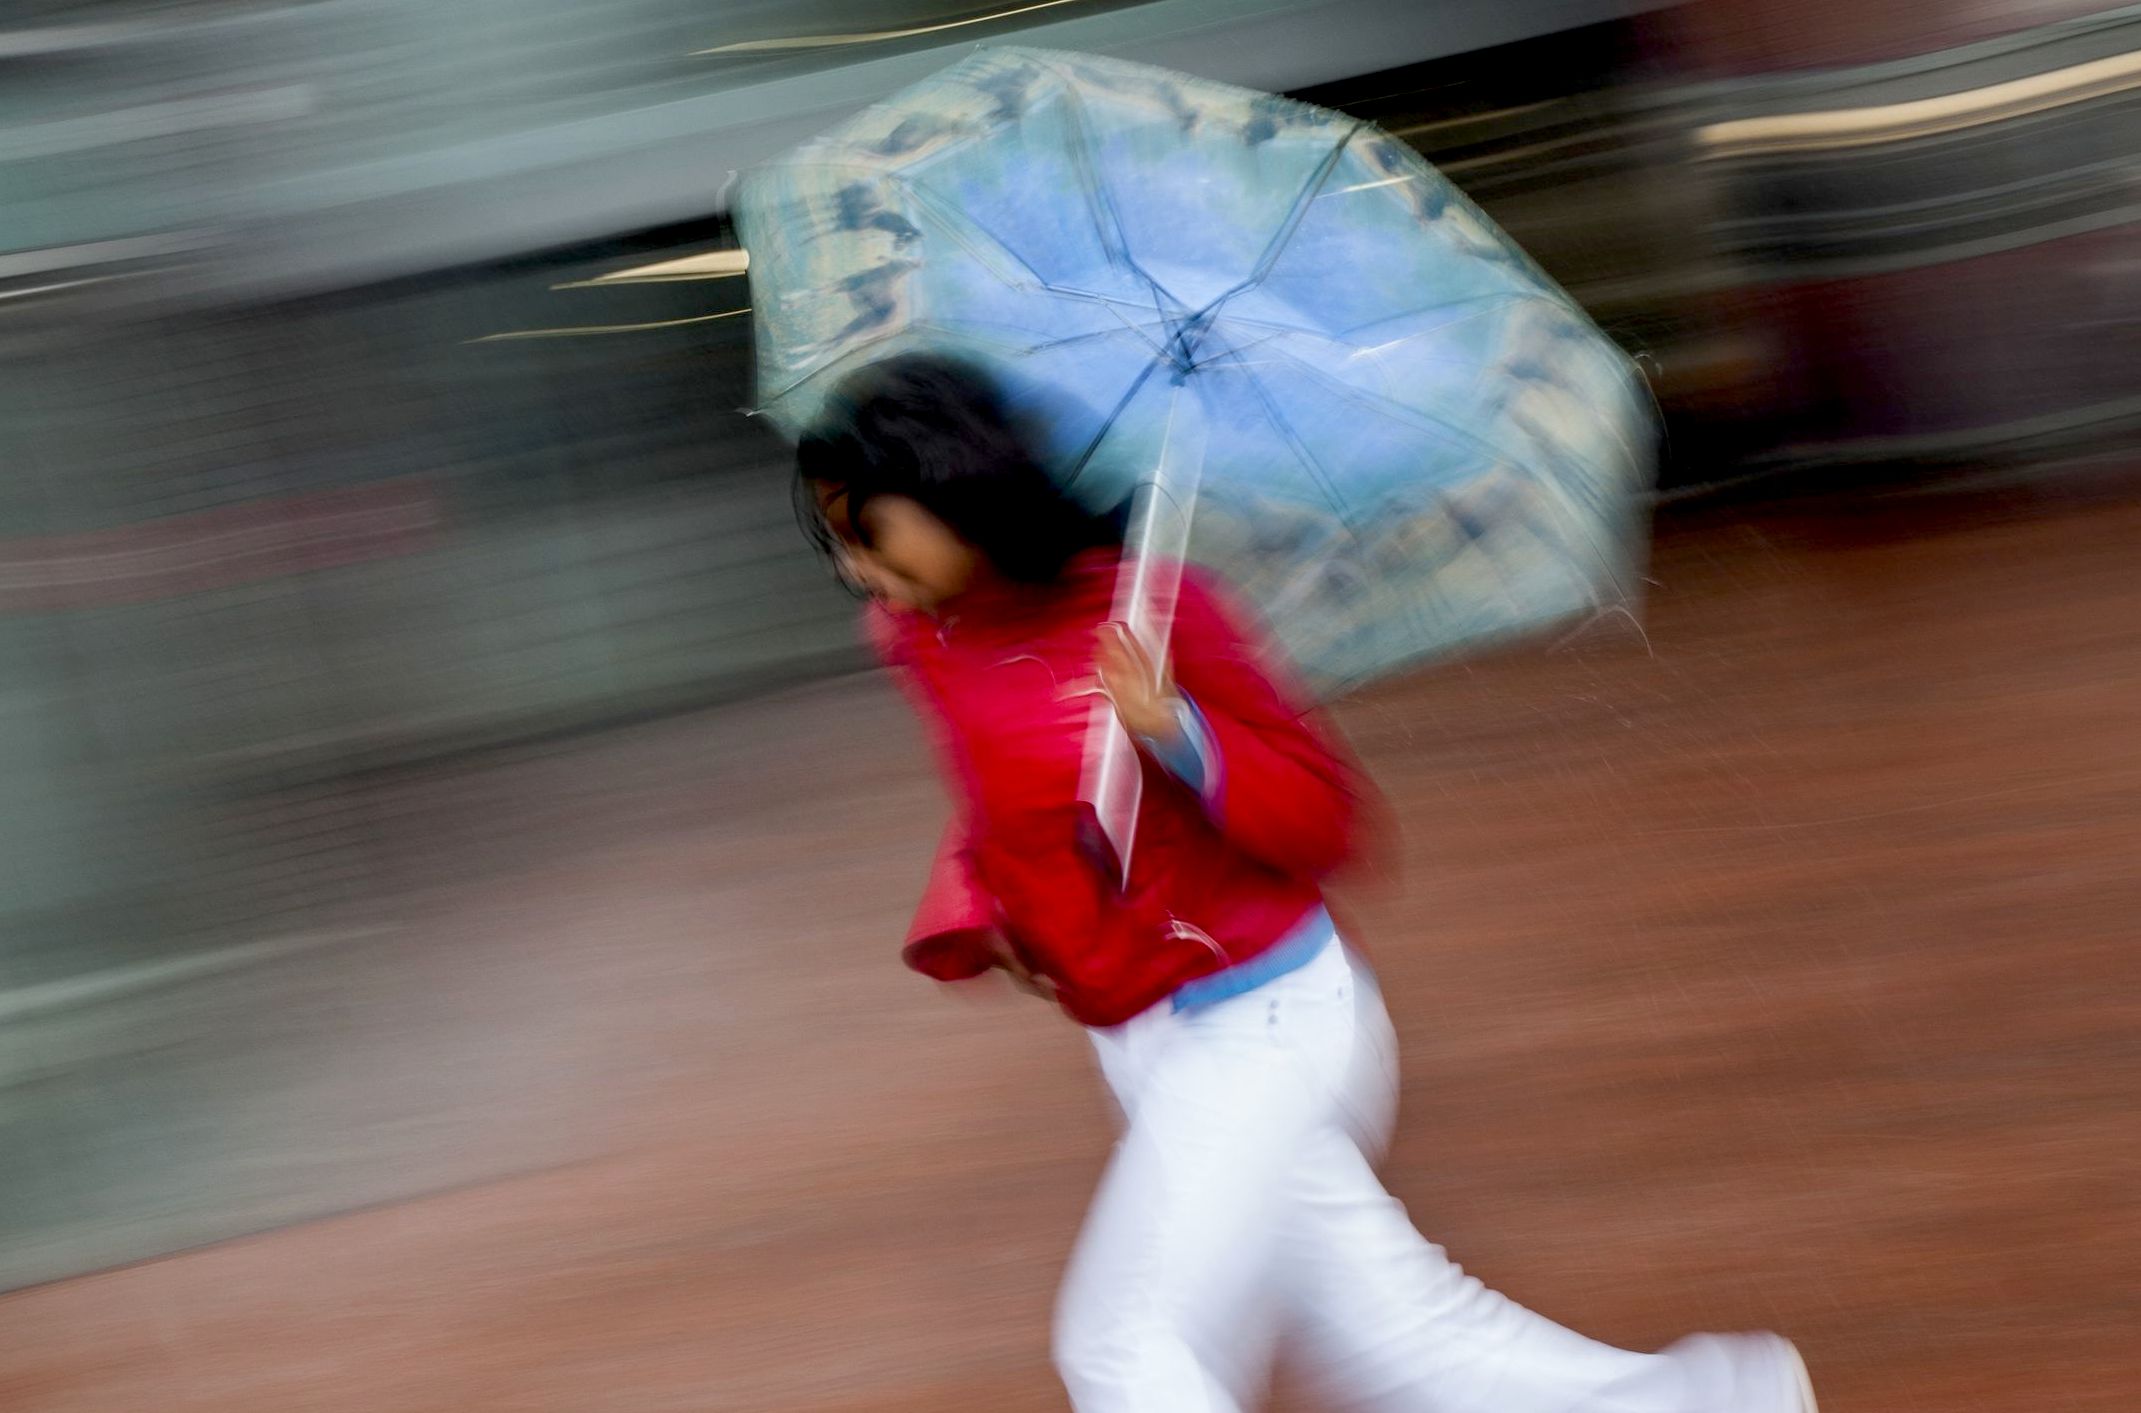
x=1409 y=439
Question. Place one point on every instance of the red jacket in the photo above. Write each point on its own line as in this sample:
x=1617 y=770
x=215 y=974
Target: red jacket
x=1007 y=684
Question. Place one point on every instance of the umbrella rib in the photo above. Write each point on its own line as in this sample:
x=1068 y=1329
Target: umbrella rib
x=1015 y=336
x=1107 y=216
x=956 y=225
x=1280 y=331
x=1107 y=424
x=1294 y=216
x=967 y=328
x=1316 y=470
x=1274 y=329
x=1396 y=411
x=850 y=356
x=1160 y=320
x=1139 y=331
x=1488 y=303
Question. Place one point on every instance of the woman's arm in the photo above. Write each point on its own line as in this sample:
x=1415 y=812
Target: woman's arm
x=953 y=935
x=1226 y=719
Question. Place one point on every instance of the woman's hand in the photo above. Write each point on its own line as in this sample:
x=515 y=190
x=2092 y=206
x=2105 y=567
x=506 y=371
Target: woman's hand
x=1144 y=696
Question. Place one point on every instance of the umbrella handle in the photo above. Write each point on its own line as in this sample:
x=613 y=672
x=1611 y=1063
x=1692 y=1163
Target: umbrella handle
x=1111 y=782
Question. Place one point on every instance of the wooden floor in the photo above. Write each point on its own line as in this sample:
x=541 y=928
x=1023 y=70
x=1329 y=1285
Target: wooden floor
x=1778 y=968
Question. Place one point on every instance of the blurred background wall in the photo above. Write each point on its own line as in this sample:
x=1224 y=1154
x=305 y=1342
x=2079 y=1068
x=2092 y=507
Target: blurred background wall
x=351 y=420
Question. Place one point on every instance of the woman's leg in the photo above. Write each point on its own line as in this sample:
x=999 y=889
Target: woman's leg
x=1389 y=1322
x=1167 y=1305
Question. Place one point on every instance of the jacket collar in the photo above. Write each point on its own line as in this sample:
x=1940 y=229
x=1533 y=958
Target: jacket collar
x=1001 y=609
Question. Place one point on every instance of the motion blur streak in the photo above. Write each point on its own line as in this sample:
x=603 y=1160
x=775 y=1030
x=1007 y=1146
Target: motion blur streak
x=714 y=265
x=824 y=41
x=1925 y=117
x=577 y=329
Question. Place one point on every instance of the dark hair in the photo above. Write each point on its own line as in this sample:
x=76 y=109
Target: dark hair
x=937 y=431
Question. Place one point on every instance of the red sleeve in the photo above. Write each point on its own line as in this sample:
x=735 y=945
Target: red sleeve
x=1287 y=795
x=953 y=933
x=952 y=936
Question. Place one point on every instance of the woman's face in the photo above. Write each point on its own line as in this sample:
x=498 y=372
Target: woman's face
x=897 y=551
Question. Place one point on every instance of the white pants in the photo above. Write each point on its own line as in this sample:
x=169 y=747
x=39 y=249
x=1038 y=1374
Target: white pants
x=1240 y=1202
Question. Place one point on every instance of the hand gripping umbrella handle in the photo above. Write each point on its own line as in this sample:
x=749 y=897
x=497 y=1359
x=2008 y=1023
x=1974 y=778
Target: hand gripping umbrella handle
x=1111 y=781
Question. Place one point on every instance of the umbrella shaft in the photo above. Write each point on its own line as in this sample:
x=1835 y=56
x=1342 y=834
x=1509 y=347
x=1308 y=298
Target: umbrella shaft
x=1145 y=588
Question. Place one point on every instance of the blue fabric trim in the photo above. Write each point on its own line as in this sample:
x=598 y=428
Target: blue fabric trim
x=1190 y=755
x=1290 y=953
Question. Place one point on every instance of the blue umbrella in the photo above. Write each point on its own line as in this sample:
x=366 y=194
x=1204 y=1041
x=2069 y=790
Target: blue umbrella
x=1413 y=441
x=1329 y=374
